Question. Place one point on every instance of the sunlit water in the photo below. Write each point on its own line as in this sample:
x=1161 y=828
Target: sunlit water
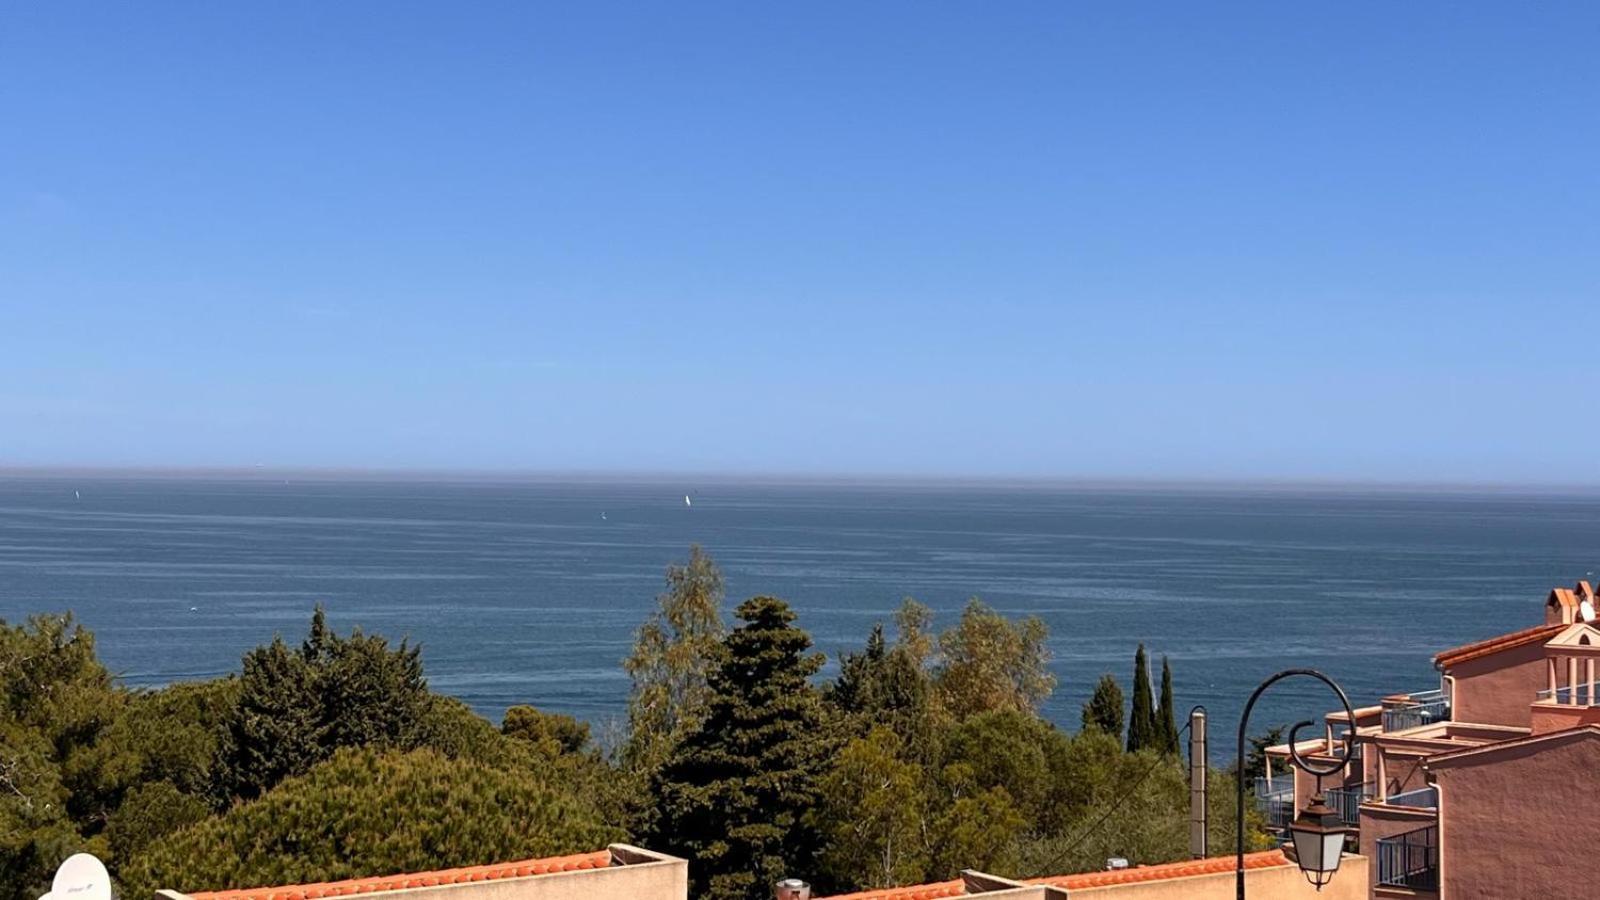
x=522 y=593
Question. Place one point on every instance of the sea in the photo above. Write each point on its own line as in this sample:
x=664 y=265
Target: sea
x=529 y=590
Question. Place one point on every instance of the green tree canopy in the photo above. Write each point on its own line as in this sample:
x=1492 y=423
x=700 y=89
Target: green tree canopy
x=987 y=662
x=1105 y=707
x=553 y=732
x=295 y=708
x=871 y=815
x=673 y=654
x=367 y=812
x=734 y=795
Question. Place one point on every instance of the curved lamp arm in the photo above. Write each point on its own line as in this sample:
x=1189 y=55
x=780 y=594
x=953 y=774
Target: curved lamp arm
x=1294 y=752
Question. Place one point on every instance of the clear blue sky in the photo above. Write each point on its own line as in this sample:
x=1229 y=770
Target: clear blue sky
x=1280 y=240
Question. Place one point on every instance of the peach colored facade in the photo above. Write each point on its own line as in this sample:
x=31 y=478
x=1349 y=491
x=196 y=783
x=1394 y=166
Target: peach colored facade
x=1497 y=841
x=1484 y=788
x=1497 y=689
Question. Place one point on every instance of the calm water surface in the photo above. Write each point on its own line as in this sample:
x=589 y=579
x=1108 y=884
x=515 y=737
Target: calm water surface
x=522 y=593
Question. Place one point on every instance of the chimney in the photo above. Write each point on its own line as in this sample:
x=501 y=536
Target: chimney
x=1199 y=769
x=791 y=889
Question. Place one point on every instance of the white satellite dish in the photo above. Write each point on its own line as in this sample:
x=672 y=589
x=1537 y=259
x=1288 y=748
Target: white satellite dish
x=81 y=877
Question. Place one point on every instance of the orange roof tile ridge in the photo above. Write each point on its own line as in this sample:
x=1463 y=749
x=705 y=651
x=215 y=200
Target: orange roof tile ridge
x=1482 y=648
x=932 y=891
x=598 y=859
x=1265 y=859
x=1214 y=865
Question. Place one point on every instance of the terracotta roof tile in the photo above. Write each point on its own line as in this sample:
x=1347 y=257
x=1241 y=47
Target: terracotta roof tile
x=369 y=885
x=1188 y=868
x=1537 y=633
x=934 y=891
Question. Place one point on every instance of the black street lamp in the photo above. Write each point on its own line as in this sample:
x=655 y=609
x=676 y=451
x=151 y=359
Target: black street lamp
x=1318 y=833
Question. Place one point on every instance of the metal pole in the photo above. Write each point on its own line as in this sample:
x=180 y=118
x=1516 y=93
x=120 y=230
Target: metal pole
x=1199 y=768
x=1294 y=755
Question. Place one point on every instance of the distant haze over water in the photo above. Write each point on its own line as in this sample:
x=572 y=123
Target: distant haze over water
x=520 y=592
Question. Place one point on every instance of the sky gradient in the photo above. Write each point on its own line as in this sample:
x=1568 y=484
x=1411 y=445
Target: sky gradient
x=1064 y=240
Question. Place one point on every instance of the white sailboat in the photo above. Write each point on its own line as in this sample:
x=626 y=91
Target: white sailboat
x=686 y=500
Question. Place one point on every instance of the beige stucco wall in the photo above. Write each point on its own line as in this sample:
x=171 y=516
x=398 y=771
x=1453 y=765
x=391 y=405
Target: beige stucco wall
x=1520 y=822
x=1278 y=883
x=1497 y=689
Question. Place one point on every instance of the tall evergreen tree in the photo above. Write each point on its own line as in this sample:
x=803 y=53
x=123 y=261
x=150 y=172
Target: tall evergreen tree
x=1104 y=709
x=1142 y=728
x=1169 y=716
x=733 y=796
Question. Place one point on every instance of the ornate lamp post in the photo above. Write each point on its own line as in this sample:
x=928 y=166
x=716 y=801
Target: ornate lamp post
x=1318 y=832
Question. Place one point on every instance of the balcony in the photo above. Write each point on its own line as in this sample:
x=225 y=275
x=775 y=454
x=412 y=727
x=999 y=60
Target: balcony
x=1410 y=860
x=1423 y=708
x=1347 y=801
x=1275 y=800
x=1421 y=798
x=1571 y=695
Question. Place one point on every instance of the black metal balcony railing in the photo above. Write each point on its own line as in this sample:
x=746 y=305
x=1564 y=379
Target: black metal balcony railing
x=1410 y=860
x=1421 y=798
x=1423 y=708
x=1347 y=801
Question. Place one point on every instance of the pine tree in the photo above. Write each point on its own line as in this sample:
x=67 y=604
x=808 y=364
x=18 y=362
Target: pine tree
x=1104 y=710
x=1169 y=715
x=1142 y=734
x=734 y=794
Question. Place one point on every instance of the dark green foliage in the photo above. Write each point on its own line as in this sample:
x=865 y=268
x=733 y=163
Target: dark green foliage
x=887 y=685
x=295 y=708
x=367 y=811
x=150 y=811
x=553 y=732
x=1167 y=723
x=1256 y=754
x=57 y=699
x=734 y=794
x=1105 y=707
x=1142 y=729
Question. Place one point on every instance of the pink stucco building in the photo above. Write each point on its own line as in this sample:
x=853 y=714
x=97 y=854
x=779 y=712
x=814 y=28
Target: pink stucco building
x=1483 y=787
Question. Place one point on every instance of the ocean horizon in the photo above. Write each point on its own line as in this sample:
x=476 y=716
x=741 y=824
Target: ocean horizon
x=526 y=588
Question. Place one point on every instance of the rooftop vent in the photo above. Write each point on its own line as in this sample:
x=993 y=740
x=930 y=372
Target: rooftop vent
x=791 y=889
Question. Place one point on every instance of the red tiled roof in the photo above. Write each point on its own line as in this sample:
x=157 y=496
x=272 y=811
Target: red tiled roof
x=1537 y=633
x=934 y=891
x=1215 y=865
x=1186 y=869
x=597 y=860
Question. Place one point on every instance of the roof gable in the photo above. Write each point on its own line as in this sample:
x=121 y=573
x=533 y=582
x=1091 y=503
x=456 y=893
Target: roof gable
x=1578 y=634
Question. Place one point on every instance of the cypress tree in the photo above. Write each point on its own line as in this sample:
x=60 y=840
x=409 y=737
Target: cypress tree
x=1169 y=715
x=1104 y=709
x=1142 y=734
x=733 y=796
